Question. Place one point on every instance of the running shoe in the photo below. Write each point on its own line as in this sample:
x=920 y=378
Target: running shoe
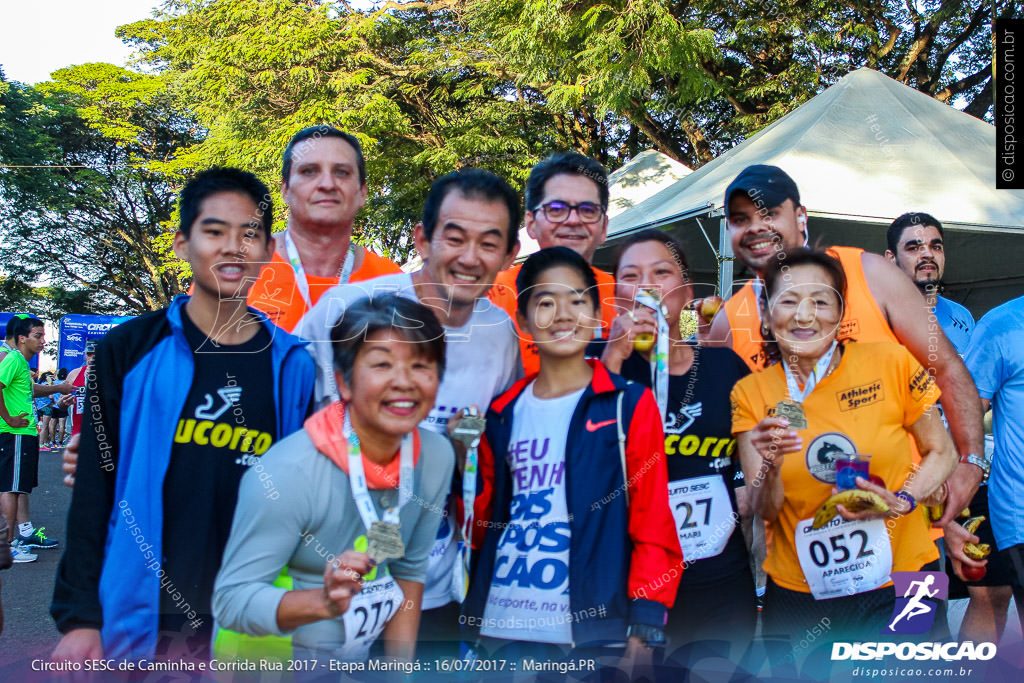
x=20 y=554
x=37 y=539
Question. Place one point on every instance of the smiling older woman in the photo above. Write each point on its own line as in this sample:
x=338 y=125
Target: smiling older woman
x=821 y=399
x=329 y=503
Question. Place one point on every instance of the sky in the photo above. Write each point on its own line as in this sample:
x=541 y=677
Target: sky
x=38 y=37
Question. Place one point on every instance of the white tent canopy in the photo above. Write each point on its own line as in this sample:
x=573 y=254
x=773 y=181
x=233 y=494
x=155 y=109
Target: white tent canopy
x=863 y=152
x=643 y=176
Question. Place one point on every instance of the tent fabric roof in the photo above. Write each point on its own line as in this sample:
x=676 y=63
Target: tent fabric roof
x=867 y=147
x=643 y=176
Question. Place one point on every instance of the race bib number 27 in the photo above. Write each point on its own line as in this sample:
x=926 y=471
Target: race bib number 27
x=704 y=515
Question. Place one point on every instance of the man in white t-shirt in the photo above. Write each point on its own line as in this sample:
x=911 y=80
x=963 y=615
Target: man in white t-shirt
x=468 y=234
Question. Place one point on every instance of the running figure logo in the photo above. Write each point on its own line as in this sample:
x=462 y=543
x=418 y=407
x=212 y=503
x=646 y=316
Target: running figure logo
x=923 y=593
x=228 y=397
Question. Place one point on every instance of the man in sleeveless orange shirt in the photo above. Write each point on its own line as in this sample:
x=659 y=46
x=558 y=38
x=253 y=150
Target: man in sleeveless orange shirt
x=566 y=205
x=323 y=182
x=764 y=214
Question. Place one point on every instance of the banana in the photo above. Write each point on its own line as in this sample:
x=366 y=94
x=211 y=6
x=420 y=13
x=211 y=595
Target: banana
x=972 y=524
x=977 y=551
x=854 y=501
x=933 y=513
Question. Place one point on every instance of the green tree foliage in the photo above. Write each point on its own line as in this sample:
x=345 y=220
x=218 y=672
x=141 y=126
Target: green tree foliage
x=428 y=86
x=698 y=76
x=85 y=192
x=424 y=95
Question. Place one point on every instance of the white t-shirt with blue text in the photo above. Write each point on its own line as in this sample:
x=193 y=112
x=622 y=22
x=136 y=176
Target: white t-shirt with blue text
x=529 y=595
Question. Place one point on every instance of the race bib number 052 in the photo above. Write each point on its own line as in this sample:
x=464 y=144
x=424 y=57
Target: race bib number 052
x=844 y=557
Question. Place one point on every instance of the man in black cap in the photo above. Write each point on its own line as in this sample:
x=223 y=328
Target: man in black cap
x=765 y=217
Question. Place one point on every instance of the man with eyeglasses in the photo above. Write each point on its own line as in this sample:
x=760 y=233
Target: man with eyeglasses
x=566 y=205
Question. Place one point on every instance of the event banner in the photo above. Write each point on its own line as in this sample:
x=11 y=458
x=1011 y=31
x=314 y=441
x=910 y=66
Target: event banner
x=76 y=330
x=4 y=319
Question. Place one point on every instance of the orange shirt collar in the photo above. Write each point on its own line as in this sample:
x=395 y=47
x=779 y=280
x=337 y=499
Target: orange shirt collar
x=325 y=429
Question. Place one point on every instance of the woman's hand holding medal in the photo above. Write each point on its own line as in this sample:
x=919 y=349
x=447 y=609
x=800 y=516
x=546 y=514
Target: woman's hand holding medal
x=772 y=439
x=343 y=579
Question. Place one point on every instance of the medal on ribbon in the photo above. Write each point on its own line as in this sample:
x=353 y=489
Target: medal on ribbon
x=792 y=408
x=384 y=542
x=659 y=357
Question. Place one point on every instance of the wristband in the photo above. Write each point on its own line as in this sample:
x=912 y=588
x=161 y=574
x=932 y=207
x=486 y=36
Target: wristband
x=652 y=636
x=909 y=498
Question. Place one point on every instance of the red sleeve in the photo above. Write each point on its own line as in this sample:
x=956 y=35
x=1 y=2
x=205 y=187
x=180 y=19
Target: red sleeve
x=657 y=563
x=484 y=494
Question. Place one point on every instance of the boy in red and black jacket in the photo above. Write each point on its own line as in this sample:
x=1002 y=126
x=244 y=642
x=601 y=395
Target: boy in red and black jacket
x=574 y=543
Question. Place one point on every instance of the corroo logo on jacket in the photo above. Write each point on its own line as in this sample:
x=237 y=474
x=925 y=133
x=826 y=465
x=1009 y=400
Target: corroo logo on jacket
x=918 y=597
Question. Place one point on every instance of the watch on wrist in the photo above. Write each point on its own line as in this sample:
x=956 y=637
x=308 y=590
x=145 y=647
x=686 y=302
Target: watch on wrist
x=652 y=636
x=981 y=462
x=909 y=498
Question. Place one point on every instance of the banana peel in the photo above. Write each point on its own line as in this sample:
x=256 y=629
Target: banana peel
x=976 y=551
x=854 y=500
x=972 y=524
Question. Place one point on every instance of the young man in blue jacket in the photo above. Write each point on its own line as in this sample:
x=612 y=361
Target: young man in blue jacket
x=181 y=402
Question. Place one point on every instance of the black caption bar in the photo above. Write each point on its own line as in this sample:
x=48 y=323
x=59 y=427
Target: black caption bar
x=1009 y=131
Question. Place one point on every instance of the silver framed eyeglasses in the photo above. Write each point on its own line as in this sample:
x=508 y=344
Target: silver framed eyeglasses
x=558 y=212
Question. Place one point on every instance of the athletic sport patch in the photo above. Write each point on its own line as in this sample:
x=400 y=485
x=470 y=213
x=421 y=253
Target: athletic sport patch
x=860 y=396
x=921 y=384
x=822 y=453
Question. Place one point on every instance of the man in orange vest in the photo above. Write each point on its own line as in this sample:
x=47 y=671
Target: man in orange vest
x=566 y=205
x=765 y=217
x=323 y=182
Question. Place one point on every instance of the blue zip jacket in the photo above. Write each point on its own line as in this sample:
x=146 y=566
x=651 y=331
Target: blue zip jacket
x=624 y=558
x=143 y=375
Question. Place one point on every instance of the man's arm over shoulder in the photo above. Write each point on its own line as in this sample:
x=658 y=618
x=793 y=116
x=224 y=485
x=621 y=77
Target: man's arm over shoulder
x=908 y=315
x=719 y=333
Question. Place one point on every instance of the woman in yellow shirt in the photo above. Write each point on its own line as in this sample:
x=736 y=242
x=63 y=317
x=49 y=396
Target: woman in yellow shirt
x=819 y=400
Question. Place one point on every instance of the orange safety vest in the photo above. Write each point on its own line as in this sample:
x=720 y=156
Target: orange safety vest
x=863 y=320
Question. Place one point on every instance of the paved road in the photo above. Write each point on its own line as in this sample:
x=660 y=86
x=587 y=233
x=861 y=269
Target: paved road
x=27 y=588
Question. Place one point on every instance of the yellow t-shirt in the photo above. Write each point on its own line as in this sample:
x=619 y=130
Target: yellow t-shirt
x=864 y=406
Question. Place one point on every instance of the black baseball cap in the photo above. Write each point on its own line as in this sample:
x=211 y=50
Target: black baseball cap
x=767 y=186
